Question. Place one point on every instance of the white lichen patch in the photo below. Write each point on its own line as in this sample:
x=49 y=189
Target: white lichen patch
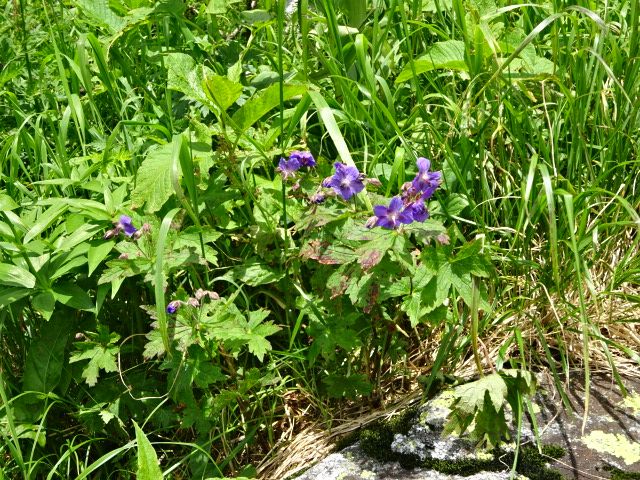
x=615 y=444
x=632 y=401
x=367 y=474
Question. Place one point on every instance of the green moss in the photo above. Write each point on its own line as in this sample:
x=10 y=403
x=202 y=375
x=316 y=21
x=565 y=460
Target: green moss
x=376 y=439
x=617 y=474
x=553 y=451
x=347 y=440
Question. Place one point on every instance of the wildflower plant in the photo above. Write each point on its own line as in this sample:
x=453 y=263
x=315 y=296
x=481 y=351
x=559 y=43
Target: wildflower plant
x=383 y=275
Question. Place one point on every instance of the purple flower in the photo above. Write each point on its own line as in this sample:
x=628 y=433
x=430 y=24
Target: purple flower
x=346 y=182
x=391 y=217
x=126 y=225
x=304 y=158
x=288 y=168
x=426 y=182
x=173 y=306
x=418 y=210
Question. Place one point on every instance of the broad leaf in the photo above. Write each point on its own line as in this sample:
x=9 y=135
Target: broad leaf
x=148 y=468
x=221 y=91
x=15 y=276
x=442 y=55
x=45 y=360
x=185 y=76
x=264 y=102
x=153 y=181
x=73 y=296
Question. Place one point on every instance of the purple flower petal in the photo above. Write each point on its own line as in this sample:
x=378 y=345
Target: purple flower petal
x=287 y=168
x=426 y=182
x=305 y=159
x=418 y=211
x=392 y=216
x=127 y=225
x=424 y=164
x=173 y=306
x=346 y=182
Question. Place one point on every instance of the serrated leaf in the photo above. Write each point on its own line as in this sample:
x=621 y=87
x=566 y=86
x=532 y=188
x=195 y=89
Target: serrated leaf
x=153 y=180
x=470 y=396
x=15 y=276
x=45 y=360
x=447 y=55
x=101 y=352
x=185 y=76
x=148 y=467
x=256 y=341
x=254 y=275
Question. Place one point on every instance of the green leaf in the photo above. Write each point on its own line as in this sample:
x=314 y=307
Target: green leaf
x=254 y=274
x=470 y=396
x=98 y=251
x=329 y=121
x=13 y=294
x=217 y=7
x=100 y=350
x=264 y=102
x=153 y=180
x=15 y=276
x=6 y=203
x=45 y=303
x=447 y=55
x=73 y=296
x=148 y=467
x=256 y=341
x=221 y=91
x=185 y=76
x=45 y=220
x=45 y=359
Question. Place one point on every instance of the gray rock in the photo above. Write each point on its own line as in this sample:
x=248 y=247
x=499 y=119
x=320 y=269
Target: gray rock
x=611 y=438
x=353 y=464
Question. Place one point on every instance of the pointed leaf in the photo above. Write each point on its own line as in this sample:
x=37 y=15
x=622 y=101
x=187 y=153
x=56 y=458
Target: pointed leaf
x=148 y=468
x=15 y=276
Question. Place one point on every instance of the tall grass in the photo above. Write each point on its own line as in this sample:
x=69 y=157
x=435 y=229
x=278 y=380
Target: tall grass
x=531 y=112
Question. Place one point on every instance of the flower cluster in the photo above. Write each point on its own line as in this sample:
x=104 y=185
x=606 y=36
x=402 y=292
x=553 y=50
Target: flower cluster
x=194 y=301
x=410 y=205
x=125 y=225
x=297 y=159
x=346 y=182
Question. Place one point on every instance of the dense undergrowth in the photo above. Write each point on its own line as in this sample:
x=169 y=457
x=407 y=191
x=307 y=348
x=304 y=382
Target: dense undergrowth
x=237 y=298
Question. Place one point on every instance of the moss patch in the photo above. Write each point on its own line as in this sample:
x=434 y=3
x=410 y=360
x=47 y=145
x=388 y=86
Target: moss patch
x=376 y=440
x=617 y=474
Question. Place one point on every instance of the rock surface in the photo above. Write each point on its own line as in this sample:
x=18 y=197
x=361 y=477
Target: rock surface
x=611 y=439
